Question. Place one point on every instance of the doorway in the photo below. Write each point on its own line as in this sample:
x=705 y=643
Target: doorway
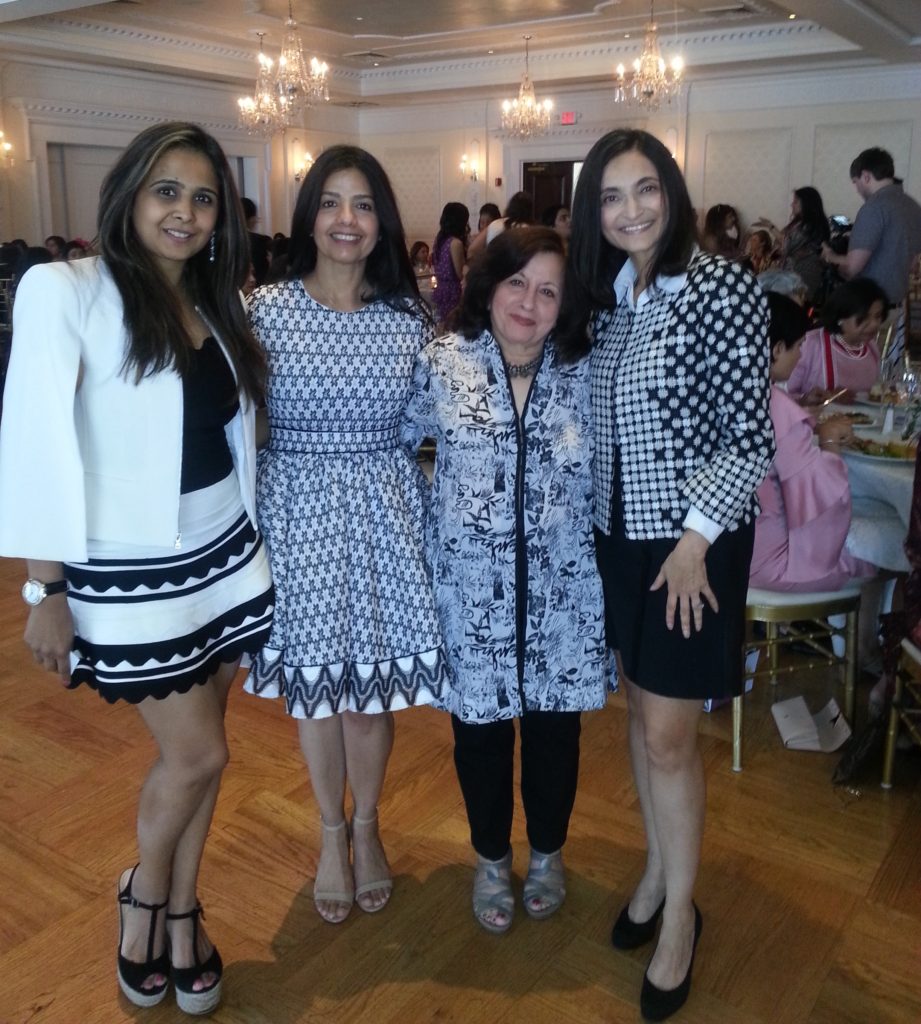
x=548 y=183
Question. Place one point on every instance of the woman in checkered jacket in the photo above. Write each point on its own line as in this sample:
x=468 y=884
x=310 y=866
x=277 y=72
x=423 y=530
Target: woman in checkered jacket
x=680 y=395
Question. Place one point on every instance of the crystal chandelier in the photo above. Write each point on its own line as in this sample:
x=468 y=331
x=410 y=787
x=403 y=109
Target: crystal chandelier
x=298 y=84
x=652 y=82
x=526 y=117
x=261 y=113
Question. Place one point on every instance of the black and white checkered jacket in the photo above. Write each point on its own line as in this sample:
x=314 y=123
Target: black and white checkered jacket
x=680 y=388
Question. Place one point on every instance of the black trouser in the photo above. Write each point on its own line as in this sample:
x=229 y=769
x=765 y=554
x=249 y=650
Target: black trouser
x=484 y=757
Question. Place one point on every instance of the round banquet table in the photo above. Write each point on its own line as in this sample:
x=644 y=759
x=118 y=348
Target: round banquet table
x=881 y=492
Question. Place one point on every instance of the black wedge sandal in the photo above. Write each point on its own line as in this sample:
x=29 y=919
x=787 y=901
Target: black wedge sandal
x=204 y=1000
x=131 y=974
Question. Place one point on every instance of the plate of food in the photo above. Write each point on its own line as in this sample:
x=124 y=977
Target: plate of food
x=882 y=448
x=856 y=418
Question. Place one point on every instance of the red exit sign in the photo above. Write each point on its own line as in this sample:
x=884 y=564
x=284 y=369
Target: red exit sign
x=567 y=117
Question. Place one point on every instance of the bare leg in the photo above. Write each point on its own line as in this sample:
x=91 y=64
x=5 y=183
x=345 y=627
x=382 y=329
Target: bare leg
x=324 y=751
x=368 y=742
x=677 y=792
x=187 y=858
x=175 y=807
x=651 y=887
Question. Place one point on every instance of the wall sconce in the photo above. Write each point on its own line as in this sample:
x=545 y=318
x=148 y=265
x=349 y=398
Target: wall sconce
x=470 y=166
x=6 y=151
x=300 y=171
x=302 y=163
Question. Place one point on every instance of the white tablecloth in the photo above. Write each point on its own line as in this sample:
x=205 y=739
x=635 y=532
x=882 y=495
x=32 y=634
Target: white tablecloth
x=881 y=507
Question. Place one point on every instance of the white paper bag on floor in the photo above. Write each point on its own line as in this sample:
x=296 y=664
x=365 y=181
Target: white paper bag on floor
x=825 y=731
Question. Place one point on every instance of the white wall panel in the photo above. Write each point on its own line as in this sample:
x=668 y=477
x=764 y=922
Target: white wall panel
x=749 y=169
x=416 y=178
x=836 y=145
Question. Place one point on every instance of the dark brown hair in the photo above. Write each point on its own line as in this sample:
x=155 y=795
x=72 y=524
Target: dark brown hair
x=503 y=257
x=157 y=335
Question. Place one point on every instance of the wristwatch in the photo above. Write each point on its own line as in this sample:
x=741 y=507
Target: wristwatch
x=34 y=591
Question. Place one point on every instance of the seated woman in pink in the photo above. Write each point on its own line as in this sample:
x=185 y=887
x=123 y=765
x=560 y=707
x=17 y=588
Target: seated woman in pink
x=843 y=352
x=805 y=498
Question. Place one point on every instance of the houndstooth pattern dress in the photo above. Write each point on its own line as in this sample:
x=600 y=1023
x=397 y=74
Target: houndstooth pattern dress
x=341 y=506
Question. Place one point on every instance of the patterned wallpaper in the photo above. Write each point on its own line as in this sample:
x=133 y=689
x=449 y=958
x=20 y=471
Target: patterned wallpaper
x=416 y=178
x=750 y=170
x=836 y=145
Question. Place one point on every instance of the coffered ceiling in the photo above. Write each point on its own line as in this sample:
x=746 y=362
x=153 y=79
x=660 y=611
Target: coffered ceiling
x=392 y=51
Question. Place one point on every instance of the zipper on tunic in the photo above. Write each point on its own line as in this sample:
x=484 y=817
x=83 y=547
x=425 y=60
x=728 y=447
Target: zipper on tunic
x=521 y=548
x=177 y=544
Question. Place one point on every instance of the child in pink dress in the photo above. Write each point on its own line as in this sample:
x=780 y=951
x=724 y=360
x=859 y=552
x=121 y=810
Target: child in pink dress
x=843 y=353
x=805 y=498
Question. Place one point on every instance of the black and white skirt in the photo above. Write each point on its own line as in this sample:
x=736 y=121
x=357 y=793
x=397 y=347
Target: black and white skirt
x=149 y=622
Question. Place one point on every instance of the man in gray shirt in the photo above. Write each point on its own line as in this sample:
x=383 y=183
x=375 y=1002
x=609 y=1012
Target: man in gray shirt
x=886 y=237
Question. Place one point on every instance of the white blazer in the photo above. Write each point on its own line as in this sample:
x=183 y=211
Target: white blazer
x=102 y=460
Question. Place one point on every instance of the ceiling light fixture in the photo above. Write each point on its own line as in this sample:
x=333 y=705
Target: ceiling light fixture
x=280 y=96
x=261 y=113
x=298 y=84
x=526 y=117
x=652 y=81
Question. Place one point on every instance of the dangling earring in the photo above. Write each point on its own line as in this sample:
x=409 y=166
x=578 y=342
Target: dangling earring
x=212 y=248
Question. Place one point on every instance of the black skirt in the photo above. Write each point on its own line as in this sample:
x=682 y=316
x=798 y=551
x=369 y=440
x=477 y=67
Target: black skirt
x=663 y=661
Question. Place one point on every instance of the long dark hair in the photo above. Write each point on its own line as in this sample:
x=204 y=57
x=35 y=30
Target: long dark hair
x=812 y=214
x=789 y=321
x=502 y=258
x=455 y=220
x=388 y=272
x=593 y=261
x=157 y=336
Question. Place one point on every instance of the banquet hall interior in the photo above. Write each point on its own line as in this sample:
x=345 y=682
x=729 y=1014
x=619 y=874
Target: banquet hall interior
x=812 y=892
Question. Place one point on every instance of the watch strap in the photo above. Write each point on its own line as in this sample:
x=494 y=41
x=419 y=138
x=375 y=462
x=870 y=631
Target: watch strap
x=58 y=587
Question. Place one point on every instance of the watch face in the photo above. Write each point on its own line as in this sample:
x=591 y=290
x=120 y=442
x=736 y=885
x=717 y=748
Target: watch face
x=33 y=592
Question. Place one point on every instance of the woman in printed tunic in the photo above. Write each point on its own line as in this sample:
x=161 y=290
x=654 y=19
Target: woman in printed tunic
x=509 y=540
x=683 y=437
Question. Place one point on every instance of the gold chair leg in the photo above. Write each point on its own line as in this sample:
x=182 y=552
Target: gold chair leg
x=737 y=734
x=892 y=733
x=850 y=669
x=771 y=632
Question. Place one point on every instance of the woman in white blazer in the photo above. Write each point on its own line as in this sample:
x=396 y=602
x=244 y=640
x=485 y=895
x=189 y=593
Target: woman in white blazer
x=127 y=482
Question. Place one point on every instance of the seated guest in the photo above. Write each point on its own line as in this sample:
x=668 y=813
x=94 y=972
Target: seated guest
x=722 y=234
x=842 y=353
x=76 y=249
x=56 y=246
x=784 y=282
x=759 y=251
x=805 y=498
x=420 y=257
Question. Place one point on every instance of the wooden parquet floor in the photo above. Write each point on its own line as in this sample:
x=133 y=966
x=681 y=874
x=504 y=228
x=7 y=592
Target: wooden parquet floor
x=811 y=897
